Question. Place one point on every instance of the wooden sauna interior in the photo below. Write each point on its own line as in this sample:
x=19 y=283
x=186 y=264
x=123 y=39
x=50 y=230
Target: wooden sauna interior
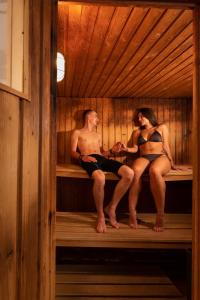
x=118 y=59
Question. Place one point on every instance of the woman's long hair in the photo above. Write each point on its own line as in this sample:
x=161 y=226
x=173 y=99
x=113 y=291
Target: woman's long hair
x=148 y=113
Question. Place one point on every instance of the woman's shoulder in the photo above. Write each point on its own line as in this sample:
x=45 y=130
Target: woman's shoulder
x=136 y=132
x=162 y=126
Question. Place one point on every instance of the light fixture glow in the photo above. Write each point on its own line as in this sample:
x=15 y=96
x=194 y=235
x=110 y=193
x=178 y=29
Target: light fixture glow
x=60 y=66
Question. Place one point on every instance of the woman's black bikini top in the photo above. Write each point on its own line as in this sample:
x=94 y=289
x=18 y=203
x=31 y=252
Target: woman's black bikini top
x=154 y=137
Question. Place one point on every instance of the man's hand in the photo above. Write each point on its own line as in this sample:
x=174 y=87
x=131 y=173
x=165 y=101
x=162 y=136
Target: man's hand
x=87 y=158
x=117 y=147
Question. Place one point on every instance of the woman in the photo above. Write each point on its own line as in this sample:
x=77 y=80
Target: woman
x=151 y=139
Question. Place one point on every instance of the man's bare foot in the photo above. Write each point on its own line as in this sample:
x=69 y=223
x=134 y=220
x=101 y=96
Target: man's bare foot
x=133 y=220
x=112 y=217
x=101 y=225
x=159 y=225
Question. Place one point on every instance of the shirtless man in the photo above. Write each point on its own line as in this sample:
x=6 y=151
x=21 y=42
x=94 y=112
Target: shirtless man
x=94 y=160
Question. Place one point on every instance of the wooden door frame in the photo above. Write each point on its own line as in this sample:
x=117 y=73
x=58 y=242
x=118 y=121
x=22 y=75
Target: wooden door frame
x=184 y=4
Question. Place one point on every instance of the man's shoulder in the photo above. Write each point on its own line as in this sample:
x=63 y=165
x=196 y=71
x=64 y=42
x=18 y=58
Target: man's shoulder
x=76 y=132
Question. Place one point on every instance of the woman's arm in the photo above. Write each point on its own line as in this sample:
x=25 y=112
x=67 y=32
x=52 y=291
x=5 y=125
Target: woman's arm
x=134 y=148
x=166 y=147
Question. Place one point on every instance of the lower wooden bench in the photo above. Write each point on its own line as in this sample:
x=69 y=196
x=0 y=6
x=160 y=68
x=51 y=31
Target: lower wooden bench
x=75 y=171
x=101 y=282
x=77 y=229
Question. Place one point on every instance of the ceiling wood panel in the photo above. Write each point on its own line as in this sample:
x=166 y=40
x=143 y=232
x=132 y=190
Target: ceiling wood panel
x=125 y=51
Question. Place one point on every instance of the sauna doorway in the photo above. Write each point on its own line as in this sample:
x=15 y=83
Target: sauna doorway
x=117 y=59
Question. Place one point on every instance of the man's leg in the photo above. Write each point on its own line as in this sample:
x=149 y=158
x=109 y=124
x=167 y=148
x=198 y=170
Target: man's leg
x=98 y=193
x=121 y=188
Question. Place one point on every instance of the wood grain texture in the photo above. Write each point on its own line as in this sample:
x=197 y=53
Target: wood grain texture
x=125 y=51
x=9 y=203
x=76 y=171
x=196 y=161
x=78 y=230
x=115 y=122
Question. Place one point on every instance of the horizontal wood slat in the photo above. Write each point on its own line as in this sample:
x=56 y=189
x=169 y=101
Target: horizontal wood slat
x=94 y=281
x=75 y=171
x=111 y=50
x=78 y=230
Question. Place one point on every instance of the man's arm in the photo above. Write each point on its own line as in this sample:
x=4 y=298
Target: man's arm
x=74 y=144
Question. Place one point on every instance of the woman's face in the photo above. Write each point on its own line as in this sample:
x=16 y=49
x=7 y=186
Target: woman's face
x=142 y=120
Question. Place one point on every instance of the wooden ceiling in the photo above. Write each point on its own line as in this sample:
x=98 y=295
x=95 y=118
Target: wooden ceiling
x=125 y=51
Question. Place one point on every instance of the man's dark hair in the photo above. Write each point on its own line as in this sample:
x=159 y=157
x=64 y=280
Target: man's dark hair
x=86 y=113
x=148 y=113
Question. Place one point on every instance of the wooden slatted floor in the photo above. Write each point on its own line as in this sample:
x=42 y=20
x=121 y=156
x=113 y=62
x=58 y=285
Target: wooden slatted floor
x=113 y=282
x=77 y=229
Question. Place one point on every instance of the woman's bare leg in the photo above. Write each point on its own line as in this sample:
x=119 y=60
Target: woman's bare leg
x=157 y=170
x=138 y=167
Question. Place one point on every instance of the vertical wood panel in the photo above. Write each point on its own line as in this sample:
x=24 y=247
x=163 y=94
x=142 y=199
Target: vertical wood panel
x=196 y=160
x=115 y=121
x=9 y=158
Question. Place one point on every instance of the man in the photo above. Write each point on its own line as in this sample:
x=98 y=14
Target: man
x=86 y=147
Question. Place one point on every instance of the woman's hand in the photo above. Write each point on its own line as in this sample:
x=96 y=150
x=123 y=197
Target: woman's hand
x=124 y=147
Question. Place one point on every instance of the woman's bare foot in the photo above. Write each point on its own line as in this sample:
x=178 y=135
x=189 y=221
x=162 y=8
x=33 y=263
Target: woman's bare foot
x=159 y=225
x=133 y=219
x=112 y=217
x=101 y=225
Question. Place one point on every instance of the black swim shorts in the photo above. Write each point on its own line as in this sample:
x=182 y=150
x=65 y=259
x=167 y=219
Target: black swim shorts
x=102 y=163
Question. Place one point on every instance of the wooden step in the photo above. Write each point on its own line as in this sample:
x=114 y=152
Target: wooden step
x=109 y=282
x=77 y=229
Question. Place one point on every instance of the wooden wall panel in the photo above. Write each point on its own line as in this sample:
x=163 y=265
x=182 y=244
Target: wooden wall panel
x=9 y=200
x=115 y=116
x=27 y=177
x=116 y=51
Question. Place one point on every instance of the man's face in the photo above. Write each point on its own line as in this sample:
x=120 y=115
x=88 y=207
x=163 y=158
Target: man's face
x=93 y=118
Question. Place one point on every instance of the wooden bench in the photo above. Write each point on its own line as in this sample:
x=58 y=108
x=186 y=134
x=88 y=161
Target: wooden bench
x=75 y=171
x=103 y=282
x=77 y=229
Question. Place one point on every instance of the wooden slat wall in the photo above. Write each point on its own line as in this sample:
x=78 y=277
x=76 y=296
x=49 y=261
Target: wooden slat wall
x=26 y=243
x=125 y=51
x=115 y=116
x=9 y=157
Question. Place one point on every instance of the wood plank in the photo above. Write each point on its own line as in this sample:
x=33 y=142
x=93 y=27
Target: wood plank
x=179 y=45
x=110 y=279
x=103 y=20
x=115 y=45
x=195 y=158
x=78 y=229
x=118 y=298
x=109 y=290
x=161 y=3
x=9 y=203
x=133 y=47
x=175 y=32
x=148 y=49
x=115 y=29
x=126 y=35
x=75 y=171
